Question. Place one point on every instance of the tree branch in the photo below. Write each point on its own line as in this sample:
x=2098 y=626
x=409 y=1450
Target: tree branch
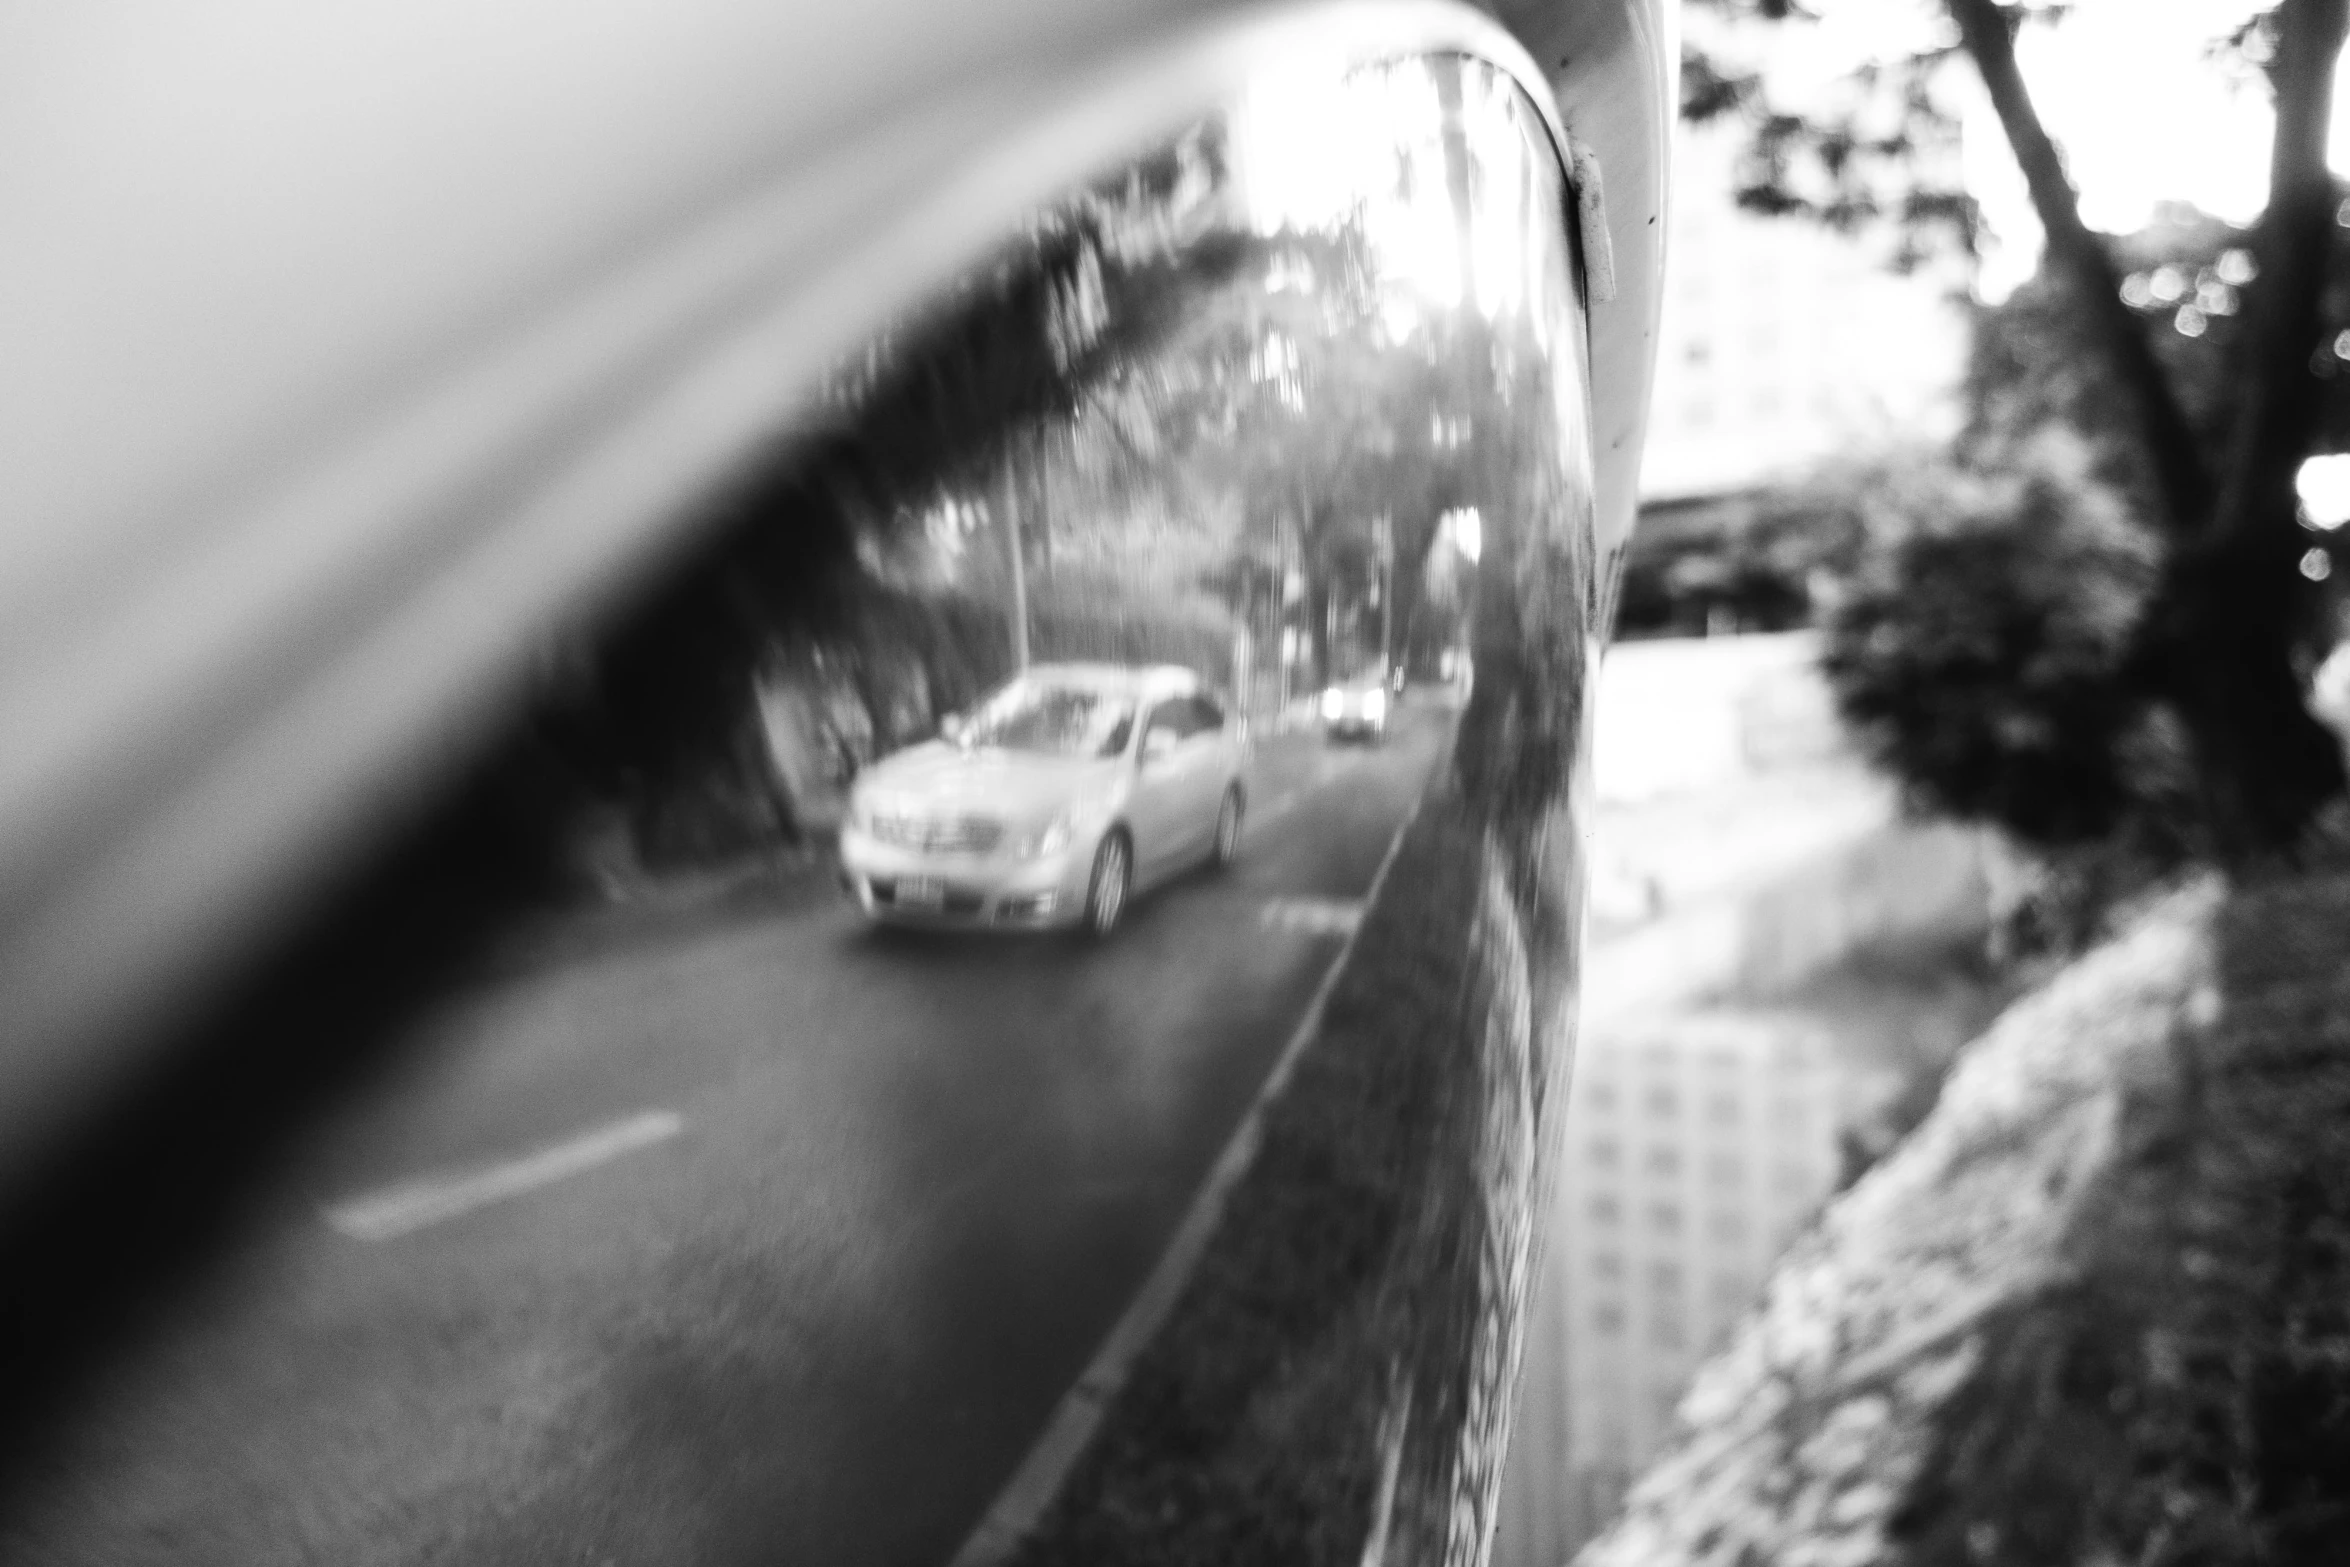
x=2183 y=484
x=2281 y=399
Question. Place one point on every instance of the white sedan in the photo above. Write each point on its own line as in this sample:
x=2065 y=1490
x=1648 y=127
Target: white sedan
x=1052 y=803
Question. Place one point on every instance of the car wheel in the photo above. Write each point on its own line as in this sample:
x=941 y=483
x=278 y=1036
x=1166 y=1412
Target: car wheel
x=1227 y=847
x=1106 y=889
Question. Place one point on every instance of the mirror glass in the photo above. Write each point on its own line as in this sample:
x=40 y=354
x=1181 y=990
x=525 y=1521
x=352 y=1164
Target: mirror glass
x=1018 y=1009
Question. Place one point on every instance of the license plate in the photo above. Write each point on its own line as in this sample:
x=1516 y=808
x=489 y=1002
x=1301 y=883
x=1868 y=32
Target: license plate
x=921 y=892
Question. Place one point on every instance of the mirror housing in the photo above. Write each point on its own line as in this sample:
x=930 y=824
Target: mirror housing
x=1157 y=743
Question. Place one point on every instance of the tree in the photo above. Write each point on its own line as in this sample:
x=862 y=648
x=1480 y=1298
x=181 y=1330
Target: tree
x=2219 y=637
x=2184 y=277
x=1293 y=411
x=1975 y=646
x=659 y=716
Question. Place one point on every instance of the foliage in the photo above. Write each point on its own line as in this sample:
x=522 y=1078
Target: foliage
x=658 y=719
x=1297 y=412
x=2185 y=1396
x=1764 y=560
x=2185 y=275
x=1142 y=429
x=1875 y=149
x=2200 y=426
x=1980 y=648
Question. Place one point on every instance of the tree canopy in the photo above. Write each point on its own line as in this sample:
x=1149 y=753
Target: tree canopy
x=2203 y=401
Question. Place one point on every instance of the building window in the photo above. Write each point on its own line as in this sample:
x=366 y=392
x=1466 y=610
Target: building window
x=1725 y=1169
x=1603 y=1152
x=1607 y=1264
x=1608 y=1317
x=1662 y=1101
x=1665 y=1217
x=1663 y=1160
x=1722 y=1109
x=1665 y=1277
x=1726 y=1226
x=1604 y=1209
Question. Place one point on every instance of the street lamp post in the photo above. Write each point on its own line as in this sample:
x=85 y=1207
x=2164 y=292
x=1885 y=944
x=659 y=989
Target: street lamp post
x=1011 y=510
x=1386 y=597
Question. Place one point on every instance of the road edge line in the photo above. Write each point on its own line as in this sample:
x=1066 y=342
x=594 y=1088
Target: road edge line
x=1012 y=1517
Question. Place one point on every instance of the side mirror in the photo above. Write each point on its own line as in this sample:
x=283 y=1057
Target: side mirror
x=953 y=727
x=1157 y=743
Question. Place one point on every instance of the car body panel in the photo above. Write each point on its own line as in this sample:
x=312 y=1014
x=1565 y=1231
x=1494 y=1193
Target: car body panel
x=1163 y=806
x=1022 y=790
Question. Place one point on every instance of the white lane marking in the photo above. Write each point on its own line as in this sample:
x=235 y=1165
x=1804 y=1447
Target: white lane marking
x=412 y=1205
x=1314 y=916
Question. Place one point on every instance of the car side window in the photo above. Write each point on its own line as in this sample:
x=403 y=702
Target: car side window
x=1173 y=716
x=1206 y=716
x=1115 y=744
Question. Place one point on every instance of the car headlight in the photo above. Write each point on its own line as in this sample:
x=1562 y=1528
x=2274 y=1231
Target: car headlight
x=1374 y=705
x=1333 y=704
x=1051 y=838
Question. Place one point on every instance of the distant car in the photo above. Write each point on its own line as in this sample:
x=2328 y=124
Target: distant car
x=1052 y=803
x=1357 y=710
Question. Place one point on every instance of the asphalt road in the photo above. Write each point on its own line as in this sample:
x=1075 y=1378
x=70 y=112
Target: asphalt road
x=772 y=1240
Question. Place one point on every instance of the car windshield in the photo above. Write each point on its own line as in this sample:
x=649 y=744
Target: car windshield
x=1052 y=719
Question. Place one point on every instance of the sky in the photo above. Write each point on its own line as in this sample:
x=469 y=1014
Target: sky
x=2123 y=86
x=1315 y=148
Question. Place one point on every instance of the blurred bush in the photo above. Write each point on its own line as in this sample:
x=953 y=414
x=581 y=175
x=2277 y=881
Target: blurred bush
x=1980 y=648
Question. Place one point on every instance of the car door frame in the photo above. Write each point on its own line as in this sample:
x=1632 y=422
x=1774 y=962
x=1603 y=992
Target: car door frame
x=1204 y=776
x=1155 y=803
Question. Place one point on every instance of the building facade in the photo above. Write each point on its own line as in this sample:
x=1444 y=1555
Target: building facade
x=1784 y=344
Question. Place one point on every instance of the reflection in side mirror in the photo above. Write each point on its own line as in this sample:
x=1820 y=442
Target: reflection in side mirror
x=692 y=1182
